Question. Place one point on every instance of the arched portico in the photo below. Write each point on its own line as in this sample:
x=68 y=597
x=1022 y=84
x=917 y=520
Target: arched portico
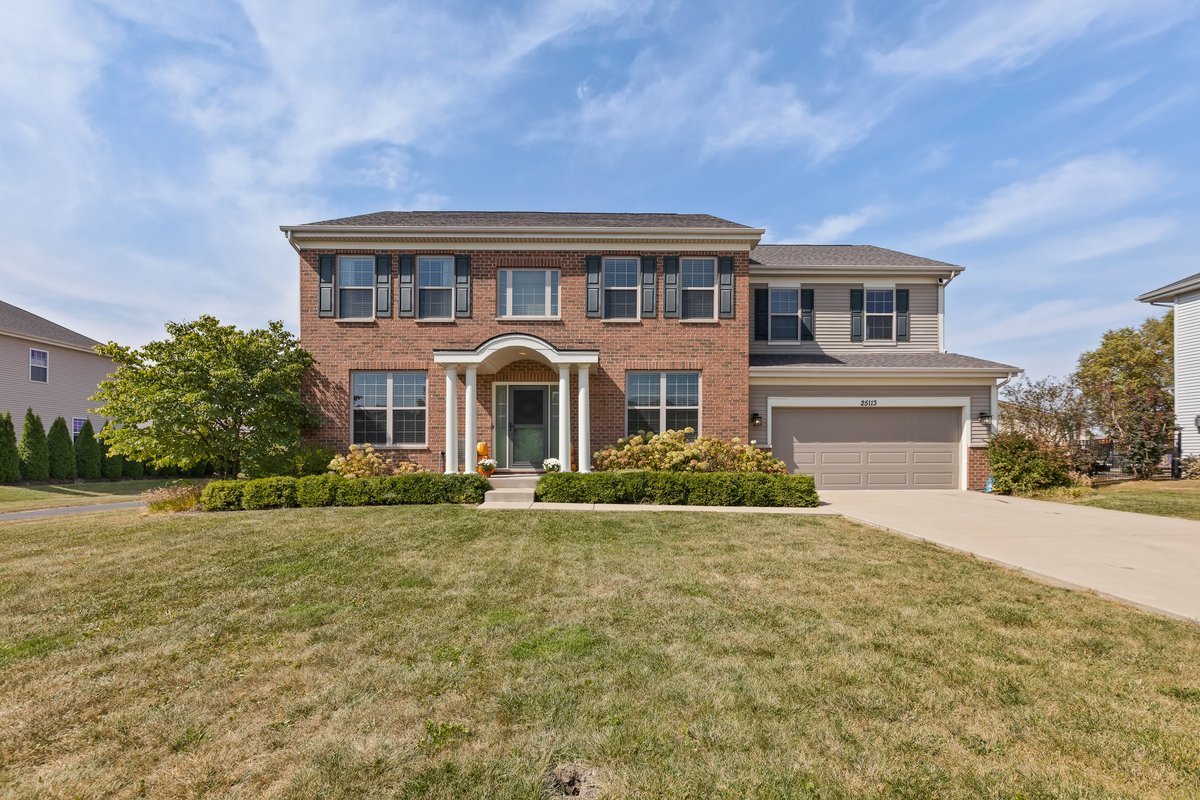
x=492 y=356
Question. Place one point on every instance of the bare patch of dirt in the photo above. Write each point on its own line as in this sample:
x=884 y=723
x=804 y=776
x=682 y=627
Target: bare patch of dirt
x=571 y=779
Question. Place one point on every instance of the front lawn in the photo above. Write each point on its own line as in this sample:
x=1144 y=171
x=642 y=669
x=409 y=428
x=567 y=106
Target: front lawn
x=449 y=652
x=49 y=495
x=1161 y=498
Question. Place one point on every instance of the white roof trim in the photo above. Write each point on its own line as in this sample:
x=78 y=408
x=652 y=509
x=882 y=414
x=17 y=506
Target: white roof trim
x=498 y=351
x=765 y=374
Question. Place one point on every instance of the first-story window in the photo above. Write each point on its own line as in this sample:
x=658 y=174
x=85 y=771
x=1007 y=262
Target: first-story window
x=39 y=366
x=435 y=287
x=356 y=287
x=388 y=408
x=527 y=293
x=880 y=314
x=76 y=427
x=662 y=401
x=620 y=288
x=785 y=315
x=698 y=282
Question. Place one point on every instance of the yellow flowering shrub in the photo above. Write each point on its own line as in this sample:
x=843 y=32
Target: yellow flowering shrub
x=672 y=451
x=363 y=462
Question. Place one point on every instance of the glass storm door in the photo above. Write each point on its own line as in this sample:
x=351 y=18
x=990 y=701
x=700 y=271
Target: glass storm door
x=527 y=426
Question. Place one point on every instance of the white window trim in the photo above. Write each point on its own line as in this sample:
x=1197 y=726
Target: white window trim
x=716 y=284
x=662 y=395
x=33 y=350
x=508 y=290
x=74 y=433
x=389 y=408
x=636 y=289
x=866 y=314
x=338 y=289
x=417 y=290
x=799 y=314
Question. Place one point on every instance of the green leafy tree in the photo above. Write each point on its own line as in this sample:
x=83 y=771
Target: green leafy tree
x=87 y=453
x=1125 y=384
x=60 y=451
x=207 y=393
x=1053 y=413
x=35 y=460
x=10 y=461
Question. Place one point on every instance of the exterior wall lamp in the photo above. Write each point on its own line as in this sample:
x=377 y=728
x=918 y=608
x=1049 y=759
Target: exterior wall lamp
x=985 y=417
x=756 y=419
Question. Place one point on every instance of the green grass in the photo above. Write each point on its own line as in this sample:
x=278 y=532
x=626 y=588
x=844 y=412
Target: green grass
x=453 y=653
x=1160 y=498
x=25 y=498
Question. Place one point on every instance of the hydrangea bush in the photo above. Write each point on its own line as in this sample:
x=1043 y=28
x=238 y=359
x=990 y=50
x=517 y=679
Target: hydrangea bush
x=672 y=451
x=363 y=462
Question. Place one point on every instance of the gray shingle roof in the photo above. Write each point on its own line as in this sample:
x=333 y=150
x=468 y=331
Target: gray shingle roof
x=20 y=322
x=531 y=219
x=1171 y=290
x=836 y=255
x=872 y=360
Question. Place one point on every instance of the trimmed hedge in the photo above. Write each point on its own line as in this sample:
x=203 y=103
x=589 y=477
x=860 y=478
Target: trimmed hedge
x=679 y=488
x=423 y=488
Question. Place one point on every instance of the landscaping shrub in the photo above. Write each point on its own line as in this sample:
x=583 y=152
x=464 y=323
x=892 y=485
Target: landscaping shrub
x=177 y=496
x=87 y=453
x=679 y=488
x=363 y=462
x=134 y=470
x=222 y=496
x=259 y=493
x=60 y=451
x=111 y=465
x=1019 y=464
x=313 y=491
x=10 y=461
x=359 y=492
x=34 y=458
x=672 y=451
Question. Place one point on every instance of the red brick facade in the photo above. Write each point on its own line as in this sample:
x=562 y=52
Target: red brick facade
x=978 y=468
x=719 y=350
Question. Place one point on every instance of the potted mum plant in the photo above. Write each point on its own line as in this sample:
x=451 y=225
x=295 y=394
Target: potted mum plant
x=485 y=467
x=552 y=465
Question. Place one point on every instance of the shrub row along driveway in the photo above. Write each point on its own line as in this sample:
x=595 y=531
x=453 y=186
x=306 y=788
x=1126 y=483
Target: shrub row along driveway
x=1153 y=562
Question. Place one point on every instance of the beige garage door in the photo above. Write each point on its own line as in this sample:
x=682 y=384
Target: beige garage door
x=871 y=448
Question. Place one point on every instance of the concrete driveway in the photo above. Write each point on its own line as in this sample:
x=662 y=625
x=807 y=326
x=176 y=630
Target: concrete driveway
x=1149 y=562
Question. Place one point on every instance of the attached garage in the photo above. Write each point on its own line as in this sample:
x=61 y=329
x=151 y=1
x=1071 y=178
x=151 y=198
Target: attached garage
x=872 y=446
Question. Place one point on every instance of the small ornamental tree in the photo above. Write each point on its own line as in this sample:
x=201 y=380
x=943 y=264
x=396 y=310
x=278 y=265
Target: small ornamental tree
x=87 y=453
x=10 y=462
x=207 y=394
x=35 y=461
x=60 y=451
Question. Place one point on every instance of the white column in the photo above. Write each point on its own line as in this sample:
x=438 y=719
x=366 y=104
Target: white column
x=584 y=451
x=469 y=419
x=451 y=420
x=564 y=417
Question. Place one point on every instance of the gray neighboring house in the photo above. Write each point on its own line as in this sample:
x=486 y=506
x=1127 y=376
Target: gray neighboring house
x=48 y=368
x=1184 y=295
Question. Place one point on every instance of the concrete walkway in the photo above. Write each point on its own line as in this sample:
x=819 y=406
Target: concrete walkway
x=1149 y=562
x=66 y=511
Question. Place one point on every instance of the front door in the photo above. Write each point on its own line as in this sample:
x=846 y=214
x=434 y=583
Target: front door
x=527 y=426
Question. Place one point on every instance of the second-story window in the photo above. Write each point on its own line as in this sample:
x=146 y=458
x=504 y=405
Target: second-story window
x=620 y=288
x=527 y=293
x=39 y=366
x=435 y=287
x=698 y=281
x=880 y=314
x=785 y=315
x=356 y=287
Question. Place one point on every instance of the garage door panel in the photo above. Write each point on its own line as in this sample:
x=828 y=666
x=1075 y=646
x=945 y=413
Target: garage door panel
x=882 y=448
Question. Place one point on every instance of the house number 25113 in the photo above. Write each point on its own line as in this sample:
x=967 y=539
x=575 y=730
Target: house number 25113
x=868 y=402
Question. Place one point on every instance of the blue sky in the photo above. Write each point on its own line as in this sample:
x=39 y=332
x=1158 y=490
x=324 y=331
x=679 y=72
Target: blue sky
x=149 y=150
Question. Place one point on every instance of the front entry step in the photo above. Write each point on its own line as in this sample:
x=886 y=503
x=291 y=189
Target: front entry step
x=511 y=491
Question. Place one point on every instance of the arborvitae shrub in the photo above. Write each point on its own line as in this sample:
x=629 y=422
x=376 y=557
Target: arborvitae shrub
x=35 y=460
x=10 y=462
x=87 y=453
x=60 y=451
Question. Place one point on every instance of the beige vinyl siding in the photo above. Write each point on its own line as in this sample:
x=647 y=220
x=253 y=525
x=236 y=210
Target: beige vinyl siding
x=831 y=320
x=1187 y=370
x=980 y=394
x=74 y=376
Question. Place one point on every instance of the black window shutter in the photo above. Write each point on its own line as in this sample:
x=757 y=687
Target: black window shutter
x=856 y=315
x=806 y=315
x=649 y=286
x=593 y=286
x=725 y=287
x=383 y=286
x=462 y=286
x=902 y=319
x=325 y=285
x=762 y=314
x=670 y=286
x=405 y=307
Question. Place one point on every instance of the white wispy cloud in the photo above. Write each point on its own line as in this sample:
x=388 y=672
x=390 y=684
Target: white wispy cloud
x=1041 y=321
x=1097 y=93
x=1075 y=191
x=835 y=228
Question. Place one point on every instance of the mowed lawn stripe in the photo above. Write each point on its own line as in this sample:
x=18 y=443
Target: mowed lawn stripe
x=442 y=652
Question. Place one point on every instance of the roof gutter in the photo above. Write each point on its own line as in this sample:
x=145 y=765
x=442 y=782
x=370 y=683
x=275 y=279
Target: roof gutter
x=885 y=372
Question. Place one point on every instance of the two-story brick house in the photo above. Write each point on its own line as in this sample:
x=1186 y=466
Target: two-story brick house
x=548 y=334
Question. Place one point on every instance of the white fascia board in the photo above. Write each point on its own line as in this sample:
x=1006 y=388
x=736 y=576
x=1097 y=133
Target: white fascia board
x=766 y=374
x=370 y=236
x=899 y=273
x=39 y=340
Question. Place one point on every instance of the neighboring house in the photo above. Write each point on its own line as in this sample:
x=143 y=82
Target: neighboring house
x=1184 y=295
x=48 y=368
x=549 y=334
